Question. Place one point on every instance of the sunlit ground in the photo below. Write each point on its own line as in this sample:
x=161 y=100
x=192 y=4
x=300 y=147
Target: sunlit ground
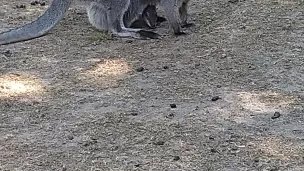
x=240 y=105
x=262 y=102
x=14 y=85
x=107 y=72
x=276 y=147
x=109 y=68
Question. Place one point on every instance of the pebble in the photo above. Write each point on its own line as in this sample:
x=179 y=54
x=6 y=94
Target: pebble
x=233 y=1
x=215 y=98
x=37 y=2
x=211 y=138
x=213 y=150
x=159 y=143
x=34 y=3
x=7 y=53
x=21 y=6
x=256 y=160
x=173 y=105
x=70 y=137
x=134 y=114
x=176 y=158
x=276 y=115
x=170 y=116
x=165 y=67
x=140 y=69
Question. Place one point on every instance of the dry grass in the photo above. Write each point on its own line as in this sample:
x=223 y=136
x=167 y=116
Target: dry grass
x=95 y=113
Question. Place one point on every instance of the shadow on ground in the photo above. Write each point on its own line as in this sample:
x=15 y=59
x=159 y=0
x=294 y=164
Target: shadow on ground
x=80 y=100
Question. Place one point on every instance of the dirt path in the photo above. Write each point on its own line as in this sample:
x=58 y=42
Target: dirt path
x=77 y=99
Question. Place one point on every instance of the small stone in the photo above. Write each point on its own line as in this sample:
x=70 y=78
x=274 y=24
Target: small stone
x=114 y=148
x=86 y=144
x=197 y=65
x=215 y=98
x=134 y=114
x=165 y=67
x=170 y=116
x=176 y=158
x=42 y=4
x=213 y=150
x=34 y=3
x=173 y=105
x=276 y=115
x=243 y=27
x=211 y=138
x=7 y=53
x=140 y=69
x=233 y=1
x=256 y=160
x=159 y=143
x=137 y=165
x=70 y=137
x=94 y=139
x=234 y=148
x=21 y=6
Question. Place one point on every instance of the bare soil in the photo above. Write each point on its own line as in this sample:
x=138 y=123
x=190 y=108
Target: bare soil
x=78 y=99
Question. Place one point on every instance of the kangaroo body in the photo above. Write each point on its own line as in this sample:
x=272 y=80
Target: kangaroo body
x=147 y=19
x=105 y=15
x=176 y=12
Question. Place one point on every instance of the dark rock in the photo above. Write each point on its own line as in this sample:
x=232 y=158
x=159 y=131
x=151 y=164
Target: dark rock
x=173 y=105
x=276 y=115
x=215 y=98
x=140 y=69
x=176 y=158
x=159 y=143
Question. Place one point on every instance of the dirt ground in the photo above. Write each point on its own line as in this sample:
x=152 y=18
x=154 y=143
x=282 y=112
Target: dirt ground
x=78 y=99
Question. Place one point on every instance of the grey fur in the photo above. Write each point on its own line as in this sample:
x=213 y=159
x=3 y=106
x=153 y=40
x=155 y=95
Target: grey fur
x=106 y=15
x=176 y=12
x=148 y=19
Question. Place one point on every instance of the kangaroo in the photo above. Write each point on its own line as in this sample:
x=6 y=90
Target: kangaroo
x=148 y=19
x=105 y=15
x=176 y=12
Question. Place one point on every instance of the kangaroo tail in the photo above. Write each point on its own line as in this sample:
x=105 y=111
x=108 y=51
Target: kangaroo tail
x=39 y=27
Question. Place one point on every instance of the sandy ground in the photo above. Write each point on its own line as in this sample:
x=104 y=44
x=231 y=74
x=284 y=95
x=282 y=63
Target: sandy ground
x=78 y=99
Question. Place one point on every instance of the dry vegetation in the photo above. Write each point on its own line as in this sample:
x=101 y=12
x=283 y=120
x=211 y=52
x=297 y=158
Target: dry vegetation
x=81 y=100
